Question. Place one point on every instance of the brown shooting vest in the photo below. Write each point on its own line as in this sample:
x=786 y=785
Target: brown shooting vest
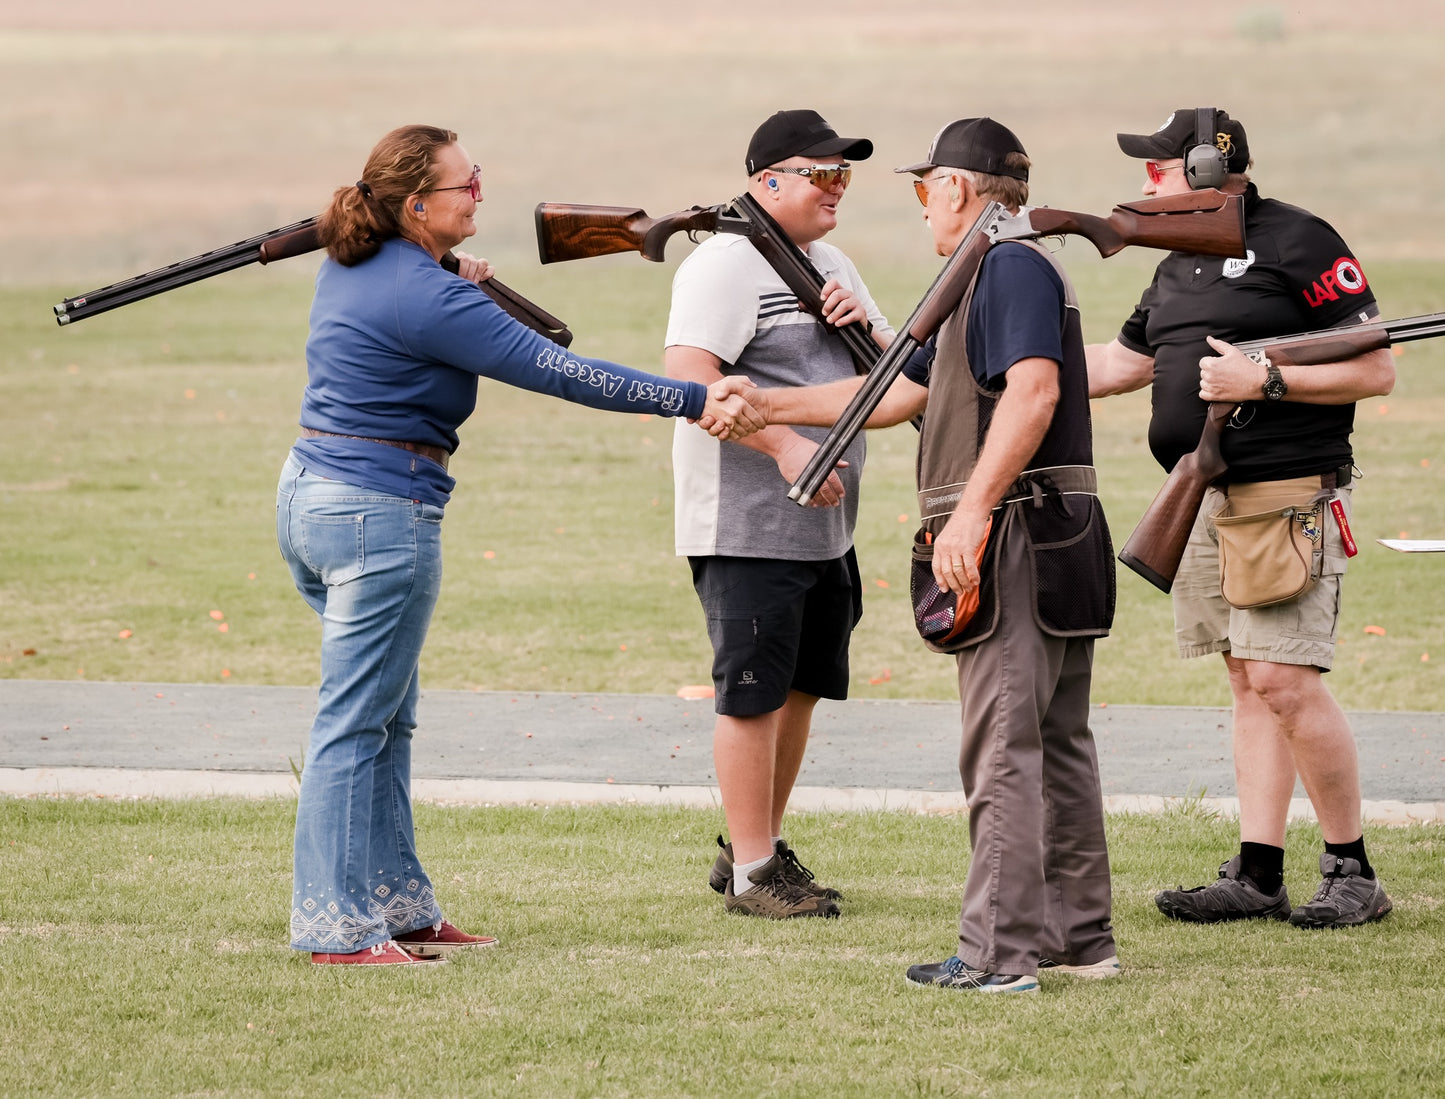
x=1054 y=499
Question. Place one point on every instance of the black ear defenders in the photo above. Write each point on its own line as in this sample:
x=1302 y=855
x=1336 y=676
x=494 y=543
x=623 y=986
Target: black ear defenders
x=1206 y=164
x=418 y=207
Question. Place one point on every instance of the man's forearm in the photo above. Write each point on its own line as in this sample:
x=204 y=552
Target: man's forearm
x=813 y=405
x=823 y=405
x=1369 y=375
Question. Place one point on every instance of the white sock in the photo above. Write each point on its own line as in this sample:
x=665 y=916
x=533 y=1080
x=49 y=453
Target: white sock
x=741 y=881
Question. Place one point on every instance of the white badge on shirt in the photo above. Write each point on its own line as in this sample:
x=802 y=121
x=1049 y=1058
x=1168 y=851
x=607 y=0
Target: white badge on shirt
x=1235 y=267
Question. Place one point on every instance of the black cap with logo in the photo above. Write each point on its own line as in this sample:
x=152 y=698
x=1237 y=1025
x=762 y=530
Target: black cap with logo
x=801 y=133
x=976 y=144
x=1178 y=135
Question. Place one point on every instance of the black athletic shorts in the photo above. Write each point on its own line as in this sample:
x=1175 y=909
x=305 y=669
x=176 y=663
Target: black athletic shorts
x=777 y=626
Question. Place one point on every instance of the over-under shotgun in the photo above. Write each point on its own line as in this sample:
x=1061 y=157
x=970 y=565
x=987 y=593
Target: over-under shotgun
x=279 y=244
x=1157 y=545
x=1204 y=222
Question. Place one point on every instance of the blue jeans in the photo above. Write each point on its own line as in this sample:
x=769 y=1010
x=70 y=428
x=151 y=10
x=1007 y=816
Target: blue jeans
x=370 y=565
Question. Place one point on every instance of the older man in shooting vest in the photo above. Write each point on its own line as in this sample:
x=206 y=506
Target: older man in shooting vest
x=1011 y=521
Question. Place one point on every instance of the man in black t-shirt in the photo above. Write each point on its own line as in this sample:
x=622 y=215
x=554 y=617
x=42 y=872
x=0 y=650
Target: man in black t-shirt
x=1290 y=438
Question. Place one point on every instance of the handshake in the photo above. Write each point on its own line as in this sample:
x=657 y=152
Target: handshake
x=735 y=409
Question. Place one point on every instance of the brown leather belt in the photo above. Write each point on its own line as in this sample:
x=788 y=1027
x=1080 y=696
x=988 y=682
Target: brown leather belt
x=439 y=455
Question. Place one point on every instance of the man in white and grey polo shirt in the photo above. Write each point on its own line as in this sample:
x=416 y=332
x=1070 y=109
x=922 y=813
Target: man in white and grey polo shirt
x=778 y=583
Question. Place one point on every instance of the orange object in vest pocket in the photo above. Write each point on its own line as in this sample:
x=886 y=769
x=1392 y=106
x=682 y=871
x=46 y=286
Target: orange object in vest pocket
x=939 y=614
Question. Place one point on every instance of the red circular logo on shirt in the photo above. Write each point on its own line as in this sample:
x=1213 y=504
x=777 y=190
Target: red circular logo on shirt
x=1348 y=276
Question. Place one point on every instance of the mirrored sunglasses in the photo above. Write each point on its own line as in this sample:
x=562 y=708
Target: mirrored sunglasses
x=823 y=176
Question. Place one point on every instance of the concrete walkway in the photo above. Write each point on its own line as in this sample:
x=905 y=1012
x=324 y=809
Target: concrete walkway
x=179 y=740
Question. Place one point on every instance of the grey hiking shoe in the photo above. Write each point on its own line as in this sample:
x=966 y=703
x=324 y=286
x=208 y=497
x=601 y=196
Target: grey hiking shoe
x=1095 y=971
x=1231 y=897
x=956 y=973
x=722 y=871
x=1346 y=898
x=776 y=896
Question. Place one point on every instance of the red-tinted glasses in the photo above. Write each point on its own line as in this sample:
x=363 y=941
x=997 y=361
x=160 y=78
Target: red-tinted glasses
x=1156 y=171
x=474 y=185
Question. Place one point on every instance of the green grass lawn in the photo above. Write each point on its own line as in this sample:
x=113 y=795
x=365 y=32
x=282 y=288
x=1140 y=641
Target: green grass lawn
x=142 y=447
x=144 y=954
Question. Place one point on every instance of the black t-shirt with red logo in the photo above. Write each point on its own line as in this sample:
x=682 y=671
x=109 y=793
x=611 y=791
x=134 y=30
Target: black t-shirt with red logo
x=1298 y=276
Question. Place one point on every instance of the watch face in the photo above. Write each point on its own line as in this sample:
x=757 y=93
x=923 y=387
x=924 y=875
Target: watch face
x=1274 y=387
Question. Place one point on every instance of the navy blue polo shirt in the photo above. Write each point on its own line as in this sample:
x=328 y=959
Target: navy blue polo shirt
x=1017 y=313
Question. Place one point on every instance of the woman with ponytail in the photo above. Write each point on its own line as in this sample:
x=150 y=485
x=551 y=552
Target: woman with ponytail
x=396 y=349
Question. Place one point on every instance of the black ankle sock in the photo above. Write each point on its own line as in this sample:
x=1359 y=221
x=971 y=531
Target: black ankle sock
x=1263 y=865
x=1354 y=851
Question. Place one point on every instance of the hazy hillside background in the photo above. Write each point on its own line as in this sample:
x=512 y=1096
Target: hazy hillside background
x=141 y=132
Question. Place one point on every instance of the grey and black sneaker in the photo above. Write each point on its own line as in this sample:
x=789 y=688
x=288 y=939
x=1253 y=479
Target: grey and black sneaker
x=776 y=896
x=1231 y=897
x=1095 y=971
x=722 y=871
x=1346 y=898
x=955 y=973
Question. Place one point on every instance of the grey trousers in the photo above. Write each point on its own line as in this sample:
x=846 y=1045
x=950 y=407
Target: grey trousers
x=1038 y=879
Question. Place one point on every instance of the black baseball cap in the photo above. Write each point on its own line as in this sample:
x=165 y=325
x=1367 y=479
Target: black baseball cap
x=801 y=133
x=1177 y=136
x=977 y=144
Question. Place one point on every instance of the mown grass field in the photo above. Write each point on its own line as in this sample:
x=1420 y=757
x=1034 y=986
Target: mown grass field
x=150 y=960
x=137 y=498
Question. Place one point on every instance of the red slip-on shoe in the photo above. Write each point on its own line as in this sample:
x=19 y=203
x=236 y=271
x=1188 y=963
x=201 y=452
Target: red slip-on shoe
x=387 y=953
x=440 y=937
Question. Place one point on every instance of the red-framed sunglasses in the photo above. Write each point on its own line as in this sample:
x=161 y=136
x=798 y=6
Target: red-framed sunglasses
x=1156 y=171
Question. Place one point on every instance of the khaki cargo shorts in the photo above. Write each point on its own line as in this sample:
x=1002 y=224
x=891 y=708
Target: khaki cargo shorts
x=1301 y=631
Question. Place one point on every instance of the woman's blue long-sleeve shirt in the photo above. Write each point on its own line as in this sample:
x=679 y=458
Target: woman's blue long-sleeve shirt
x=396 y=348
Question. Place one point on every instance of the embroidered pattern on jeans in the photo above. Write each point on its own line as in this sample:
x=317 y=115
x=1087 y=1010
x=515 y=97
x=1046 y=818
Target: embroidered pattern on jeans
x=344 y=931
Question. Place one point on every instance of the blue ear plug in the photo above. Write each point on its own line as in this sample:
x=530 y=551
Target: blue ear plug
x=773 y=183
x=418 y=207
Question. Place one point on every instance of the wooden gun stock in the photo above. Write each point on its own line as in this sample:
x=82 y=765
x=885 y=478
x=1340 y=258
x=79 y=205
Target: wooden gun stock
x=1206 y=223
x=1156 y=547
x=567 y=231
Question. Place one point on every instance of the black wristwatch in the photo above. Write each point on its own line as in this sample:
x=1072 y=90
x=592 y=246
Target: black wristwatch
x=1274 y=387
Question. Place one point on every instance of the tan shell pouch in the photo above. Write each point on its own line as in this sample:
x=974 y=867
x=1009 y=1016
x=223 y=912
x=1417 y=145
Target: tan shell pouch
x=1271 y=541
